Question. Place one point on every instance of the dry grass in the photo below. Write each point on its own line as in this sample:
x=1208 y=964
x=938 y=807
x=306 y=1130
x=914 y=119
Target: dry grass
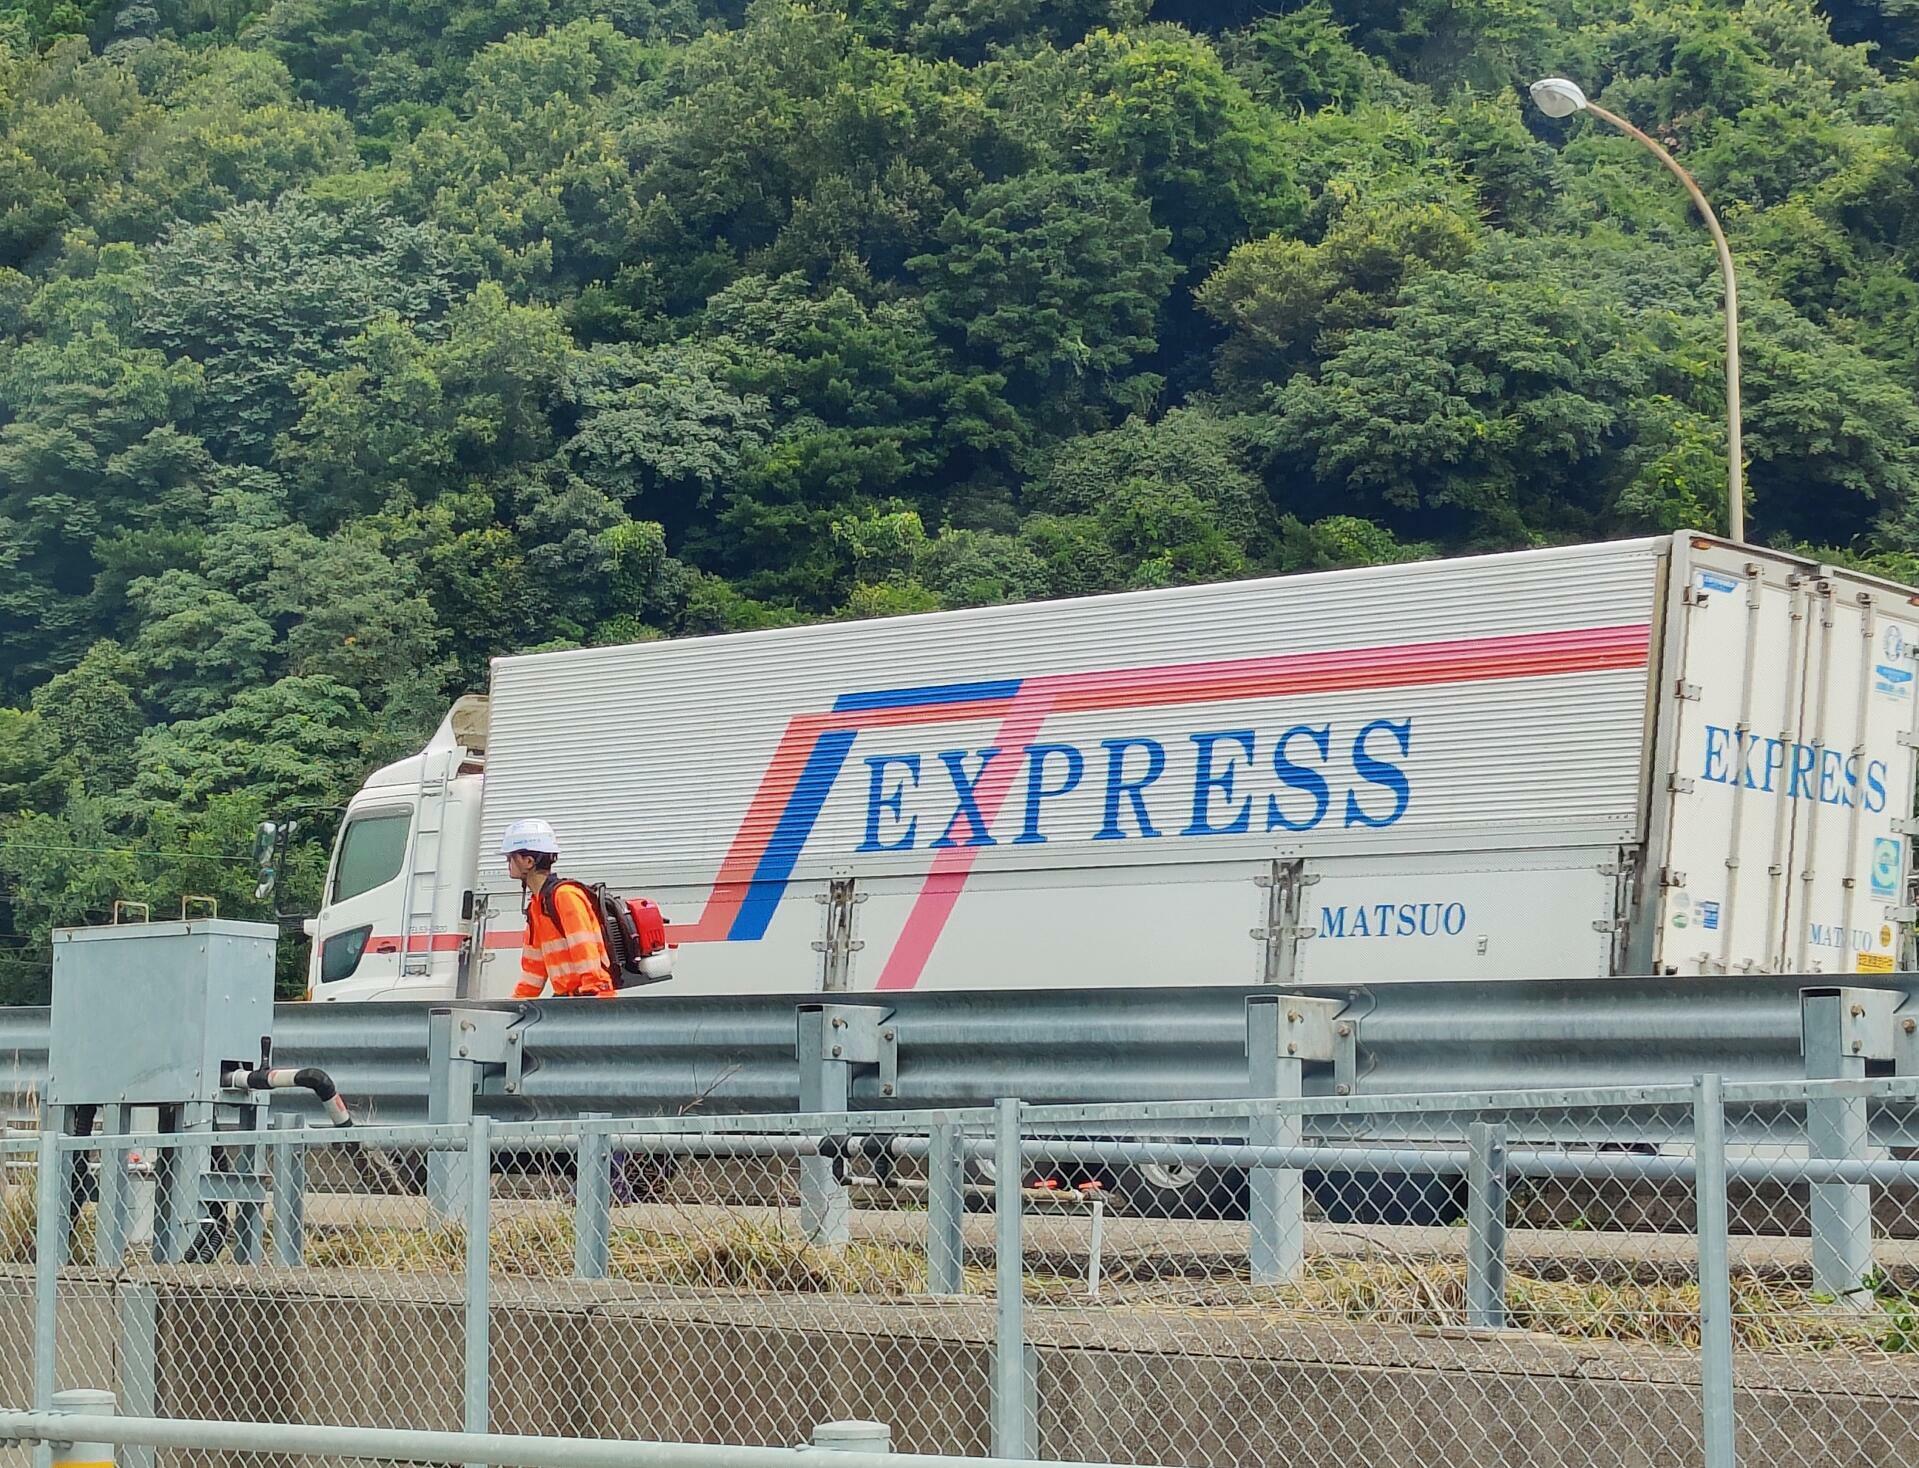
x=738 y=1254
x=17 y=1219
x=1769 y=1314
x=19 y=1216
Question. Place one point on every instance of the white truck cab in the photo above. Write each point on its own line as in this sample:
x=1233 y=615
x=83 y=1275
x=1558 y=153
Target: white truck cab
x=396 y=918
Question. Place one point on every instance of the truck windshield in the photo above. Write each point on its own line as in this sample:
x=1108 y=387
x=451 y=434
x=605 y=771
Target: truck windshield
x=371 y=849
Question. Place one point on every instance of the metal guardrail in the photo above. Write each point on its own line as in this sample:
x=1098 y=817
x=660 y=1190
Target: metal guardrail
x=660 y=1055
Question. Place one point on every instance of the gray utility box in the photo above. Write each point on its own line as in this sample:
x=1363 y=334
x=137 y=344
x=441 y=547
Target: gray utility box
x=147 y=1013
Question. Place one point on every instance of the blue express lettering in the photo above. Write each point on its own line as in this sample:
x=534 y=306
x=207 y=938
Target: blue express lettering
x=1228 y=782
x=1804 y=771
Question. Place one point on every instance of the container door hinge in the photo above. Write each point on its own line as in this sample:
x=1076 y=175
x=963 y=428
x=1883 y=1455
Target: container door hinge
x=1679 y=784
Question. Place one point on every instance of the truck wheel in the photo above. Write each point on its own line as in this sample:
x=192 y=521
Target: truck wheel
x=981 y=1178
x=1405 y=1199
x=1179 y=1190
x=641 y=1178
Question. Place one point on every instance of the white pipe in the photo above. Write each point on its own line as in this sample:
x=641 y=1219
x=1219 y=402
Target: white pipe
x=1093 y=1264
x=502 y=1450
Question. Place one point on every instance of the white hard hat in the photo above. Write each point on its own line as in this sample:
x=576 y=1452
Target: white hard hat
x=534 y=835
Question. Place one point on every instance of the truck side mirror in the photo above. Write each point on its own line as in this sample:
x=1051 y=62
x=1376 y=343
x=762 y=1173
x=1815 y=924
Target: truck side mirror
x=265 y=840
x=269 y=854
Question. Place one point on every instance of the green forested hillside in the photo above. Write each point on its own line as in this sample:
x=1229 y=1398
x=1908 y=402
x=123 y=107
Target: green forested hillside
x=347 y=343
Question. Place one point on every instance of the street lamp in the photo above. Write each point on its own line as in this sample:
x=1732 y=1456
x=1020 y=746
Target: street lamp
x=1557 y=97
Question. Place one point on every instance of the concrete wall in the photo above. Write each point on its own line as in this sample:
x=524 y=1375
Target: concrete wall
x=1133 y=1385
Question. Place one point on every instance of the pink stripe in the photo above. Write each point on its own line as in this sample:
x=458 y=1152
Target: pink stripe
x=1537 y=654
x=934 y=905
x=419 y=943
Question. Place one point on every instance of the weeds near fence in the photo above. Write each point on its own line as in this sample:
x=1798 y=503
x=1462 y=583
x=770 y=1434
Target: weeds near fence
x=738 y=1254
x=19 y=1217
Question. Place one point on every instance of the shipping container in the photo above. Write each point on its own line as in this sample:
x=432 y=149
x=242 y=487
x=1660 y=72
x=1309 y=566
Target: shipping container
x=1668 y=755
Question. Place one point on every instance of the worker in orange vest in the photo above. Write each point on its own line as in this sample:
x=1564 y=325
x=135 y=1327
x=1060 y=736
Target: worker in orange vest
x=565 y=947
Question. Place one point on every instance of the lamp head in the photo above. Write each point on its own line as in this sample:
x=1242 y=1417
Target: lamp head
x=1557 y=97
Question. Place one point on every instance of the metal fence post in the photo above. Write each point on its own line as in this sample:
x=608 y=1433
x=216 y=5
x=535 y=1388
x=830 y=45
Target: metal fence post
x=138 y=1308
x=1715 y=1280
x=945 y=1211
x=288 y=1161
x=49 y=1253
x=479 y=1262
x=1013 y=1416
x=825 y=1086
x=592 y=1199
x=1486 y=1225
x=1836 y=1127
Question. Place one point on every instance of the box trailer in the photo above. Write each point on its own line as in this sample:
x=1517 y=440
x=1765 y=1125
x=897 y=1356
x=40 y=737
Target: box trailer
x=1669 y=755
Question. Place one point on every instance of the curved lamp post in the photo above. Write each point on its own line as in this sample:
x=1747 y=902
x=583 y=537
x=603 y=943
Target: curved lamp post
x=1557 y=97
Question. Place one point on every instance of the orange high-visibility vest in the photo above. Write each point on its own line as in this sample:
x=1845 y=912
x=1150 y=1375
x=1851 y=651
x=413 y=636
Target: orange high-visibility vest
x=569 y=954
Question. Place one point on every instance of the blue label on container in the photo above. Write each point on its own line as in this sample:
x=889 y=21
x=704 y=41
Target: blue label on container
x=1887 y=859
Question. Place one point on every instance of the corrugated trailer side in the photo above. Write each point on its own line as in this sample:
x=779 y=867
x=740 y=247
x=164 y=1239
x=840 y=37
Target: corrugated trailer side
x=1780 y=838
x=1438 y=770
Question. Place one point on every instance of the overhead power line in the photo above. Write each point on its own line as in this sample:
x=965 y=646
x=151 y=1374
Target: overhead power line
x=123 y=851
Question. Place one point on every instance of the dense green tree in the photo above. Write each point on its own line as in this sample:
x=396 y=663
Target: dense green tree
x=93 y=713
x=796 y=140
x=527 y=176
x=346 y=344
x=263 y=294
x=1055 y=279
x=1496 y=396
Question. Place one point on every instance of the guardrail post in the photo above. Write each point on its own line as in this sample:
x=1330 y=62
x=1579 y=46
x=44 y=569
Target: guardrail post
x=1013 y=1373
x=945 y=1211
x=825 y=1086
x=592 y=1198
x=479 y=1263
x=288 y=1162
x=1715 y=1279
x=1841 y=1030
x=138 y=1308
x=1283 y=1032
x=451 y=1080
x=1486 y=1225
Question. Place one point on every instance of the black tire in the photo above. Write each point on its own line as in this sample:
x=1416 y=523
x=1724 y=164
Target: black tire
x=1402 y=1199
x=641 y=1177
x=1153 y=1191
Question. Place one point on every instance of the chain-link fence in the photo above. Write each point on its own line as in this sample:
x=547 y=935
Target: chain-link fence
x=1652 y=1276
